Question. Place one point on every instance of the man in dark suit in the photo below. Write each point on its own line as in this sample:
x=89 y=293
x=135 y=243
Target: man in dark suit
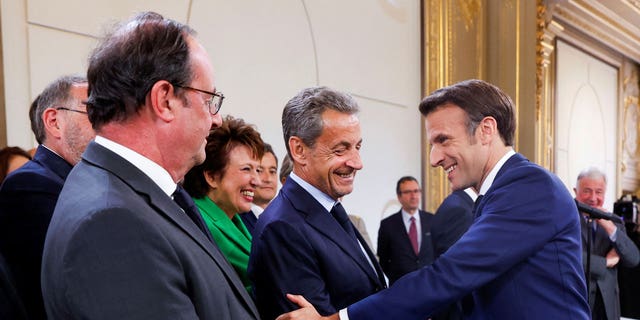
x=264 y=193
x=118 y=246
x=610 y=248
x=28 y=196
x=304 y=242
x=404 y=238
x=521 y=257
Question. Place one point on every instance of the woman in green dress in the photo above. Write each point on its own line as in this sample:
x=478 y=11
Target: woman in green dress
x=224 y=185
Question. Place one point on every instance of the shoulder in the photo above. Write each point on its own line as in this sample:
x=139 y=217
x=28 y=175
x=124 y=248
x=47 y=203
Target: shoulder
x=32 y=176
x=390 y=219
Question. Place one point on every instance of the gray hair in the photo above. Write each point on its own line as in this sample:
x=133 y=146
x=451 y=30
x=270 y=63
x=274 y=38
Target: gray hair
x=591 y=173
x=302 y=116
x=56 y=94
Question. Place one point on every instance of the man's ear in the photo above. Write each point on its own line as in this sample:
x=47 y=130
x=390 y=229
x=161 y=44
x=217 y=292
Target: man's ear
x=163 y=100
x=52 y=122
x=298 y=150
x=488 y=129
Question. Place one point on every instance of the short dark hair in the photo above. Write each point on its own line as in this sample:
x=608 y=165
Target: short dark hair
x=403 y=180
x=57 y=93
x=129 y=61
x=286 y=167
x=478 y=99
x=302 y=115
x=232 y=133
x=269 y=149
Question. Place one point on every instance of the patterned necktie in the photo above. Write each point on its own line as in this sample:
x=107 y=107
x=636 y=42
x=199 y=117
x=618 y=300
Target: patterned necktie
x=413 y=235
x=340 y=215
x=182 y=198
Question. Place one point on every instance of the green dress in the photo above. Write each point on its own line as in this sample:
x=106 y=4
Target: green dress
x=231 y=235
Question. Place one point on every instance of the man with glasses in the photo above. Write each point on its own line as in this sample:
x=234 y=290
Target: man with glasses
x=28 y=196
x=125 y=240
x=404 y=238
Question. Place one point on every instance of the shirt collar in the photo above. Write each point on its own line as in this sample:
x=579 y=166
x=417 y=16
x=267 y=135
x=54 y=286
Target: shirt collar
x=492 y=174
x=153 y=170
x=406 y=216
x=324 y=199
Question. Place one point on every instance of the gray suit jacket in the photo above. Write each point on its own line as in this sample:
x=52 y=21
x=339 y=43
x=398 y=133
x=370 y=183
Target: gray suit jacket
x=606 y=279
x=119 y=248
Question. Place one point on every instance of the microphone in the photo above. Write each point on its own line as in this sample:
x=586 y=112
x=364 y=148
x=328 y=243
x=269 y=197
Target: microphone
x=596 y=213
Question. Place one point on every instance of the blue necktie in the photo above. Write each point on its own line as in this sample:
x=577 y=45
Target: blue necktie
x=182 y=198
x=341 y=216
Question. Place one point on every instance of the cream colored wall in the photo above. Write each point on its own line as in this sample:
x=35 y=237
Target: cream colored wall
x=586 y=117
x=263 y=53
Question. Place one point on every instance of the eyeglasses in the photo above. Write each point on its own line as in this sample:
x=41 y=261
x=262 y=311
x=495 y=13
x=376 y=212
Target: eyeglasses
x=416 y=191
x=72 y=110
x=213 y=104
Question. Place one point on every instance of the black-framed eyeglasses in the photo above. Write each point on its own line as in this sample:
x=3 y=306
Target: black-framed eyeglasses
x=72 y=110
x=214 y=104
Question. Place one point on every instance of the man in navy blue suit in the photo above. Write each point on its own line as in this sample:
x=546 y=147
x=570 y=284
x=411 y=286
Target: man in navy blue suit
x=521 y=257
x=304 y=242
x=404 y=238
x=28 y=195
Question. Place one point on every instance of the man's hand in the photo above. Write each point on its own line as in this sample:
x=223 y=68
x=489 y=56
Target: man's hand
x=306 y=311
x=612 y=258
x=607 y=225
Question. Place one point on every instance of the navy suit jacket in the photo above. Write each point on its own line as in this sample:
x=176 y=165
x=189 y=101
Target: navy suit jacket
x=394 y=247
x=300 y=248
x=119 y=248
x=521 y=258
x=249 y=219
x=27 y=199
x=452 y=219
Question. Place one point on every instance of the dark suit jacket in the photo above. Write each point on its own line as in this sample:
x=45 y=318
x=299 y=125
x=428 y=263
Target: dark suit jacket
x=603 y=278
x=27 y=199
x=249 y=219
x=299 y=248
x=394 y=247
x=521 y=258
x=119 y=248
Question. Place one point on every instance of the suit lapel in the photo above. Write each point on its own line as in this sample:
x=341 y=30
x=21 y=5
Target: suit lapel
x=164 y=206
x=398 y=224
x=318 y=218
x=425 y=243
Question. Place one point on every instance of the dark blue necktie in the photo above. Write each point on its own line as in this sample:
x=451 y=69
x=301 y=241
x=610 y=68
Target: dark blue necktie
x=341 y=216
x=475 y=206
x=182 y=198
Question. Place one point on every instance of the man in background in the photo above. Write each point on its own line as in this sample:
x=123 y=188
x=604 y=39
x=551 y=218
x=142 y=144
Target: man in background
x=125 y=241
x=28 y=196
x=268 y=172
x=304 y=241
x=610 y=247
x=404 y=238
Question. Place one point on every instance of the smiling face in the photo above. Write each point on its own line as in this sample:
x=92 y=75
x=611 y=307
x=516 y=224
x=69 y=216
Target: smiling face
x=233 y=190
x=331 y=164
x=268 y=171
x=463 y=157
x=591 y=191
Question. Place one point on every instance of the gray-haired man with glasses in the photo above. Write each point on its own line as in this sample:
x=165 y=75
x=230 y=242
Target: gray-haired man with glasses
x=28 y=196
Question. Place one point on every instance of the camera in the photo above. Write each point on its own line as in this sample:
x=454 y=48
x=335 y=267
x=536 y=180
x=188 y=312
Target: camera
x=627 y=208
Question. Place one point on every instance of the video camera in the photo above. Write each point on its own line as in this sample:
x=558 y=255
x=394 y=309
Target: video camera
x=627 y=208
